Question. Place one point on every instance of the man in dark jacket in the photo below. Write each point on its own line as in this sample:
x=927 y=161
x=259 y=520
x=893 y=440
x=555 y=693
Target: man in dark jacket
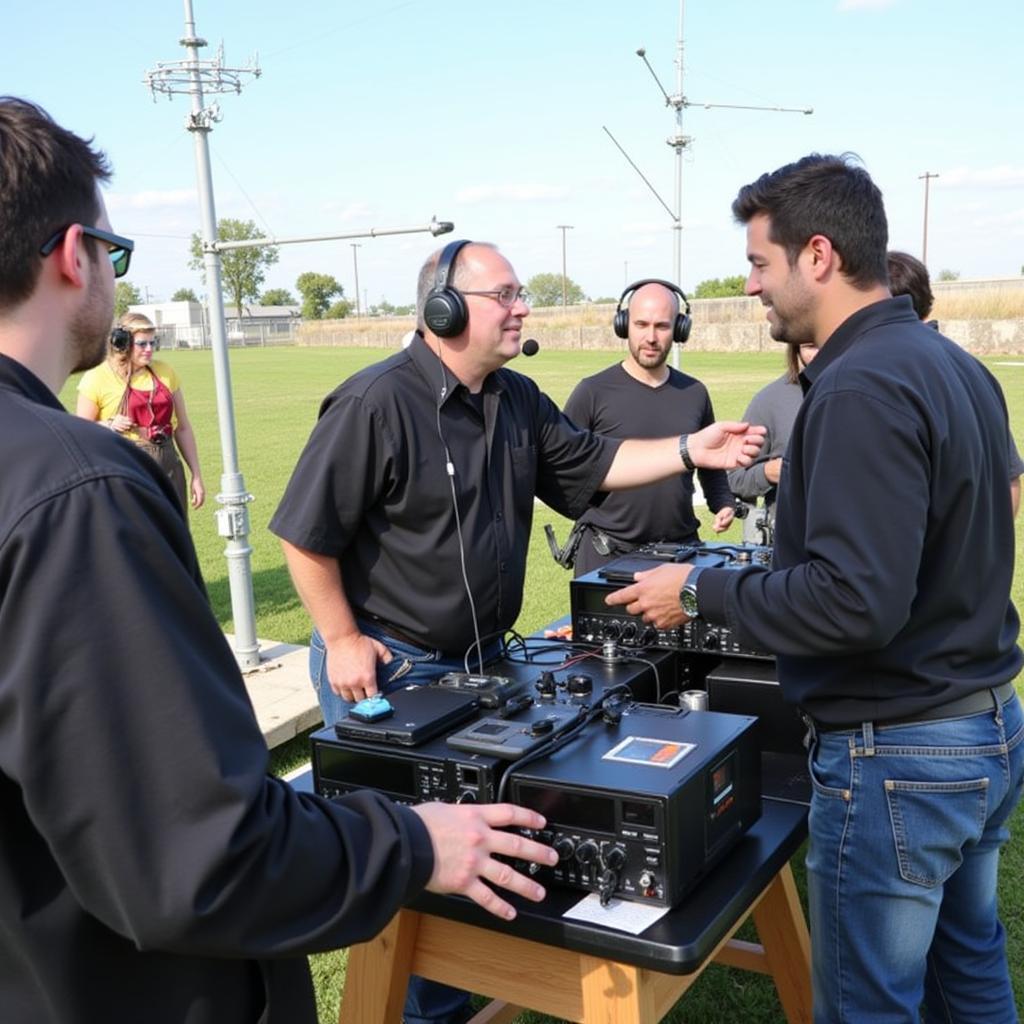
x=888 y=607
x=149 y=868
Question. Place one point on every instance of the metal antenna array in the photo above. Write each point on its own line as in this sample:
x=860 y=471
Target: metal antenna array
x=193 y=76
x=680 y=142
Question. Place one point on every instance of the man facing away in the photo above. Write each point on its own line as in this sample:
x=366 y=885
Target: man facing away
x=644 y=397
x=776 y=406
x=407 y=520
x=888 y=608
x=150 y=869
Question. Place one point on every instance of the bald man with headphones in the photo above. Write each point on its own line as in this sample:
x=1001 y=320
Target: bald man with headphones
x=407 y=520
x=643 y=397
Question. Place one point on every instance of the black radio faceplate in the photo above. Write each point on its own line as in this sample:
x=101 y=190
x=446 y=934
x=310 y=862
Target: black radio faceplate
x=642 y=809
x=595 y=621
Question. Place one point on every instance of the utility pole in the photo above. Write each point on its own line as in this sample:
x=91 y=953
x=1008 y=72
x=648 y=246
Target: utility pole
x=563 y=228
x=192 y=76
x=355 y=266
x=927 y=178
x=680 y=142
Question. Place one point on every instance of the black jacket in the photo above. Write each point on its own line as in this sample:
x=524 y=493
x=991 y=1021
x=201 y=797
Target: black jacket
x=149 y=868
x=894 y=546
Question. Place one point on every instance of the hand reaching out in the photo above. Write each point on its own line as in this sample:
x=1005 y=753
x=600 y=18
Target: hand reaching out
x=465 y=839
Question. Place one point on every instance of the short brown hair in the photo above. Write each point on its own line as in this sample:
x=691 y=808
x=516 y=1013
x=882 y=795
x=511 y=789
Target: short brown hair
x=48 y=180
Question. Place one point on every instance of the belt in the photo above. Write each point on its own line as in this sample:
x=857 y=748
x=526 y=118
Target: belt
x=972 y=704
x=393 y=631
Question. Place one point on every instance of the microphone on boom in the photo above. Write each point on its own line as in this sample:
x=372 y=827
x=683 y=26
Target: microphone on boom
x=530 y=347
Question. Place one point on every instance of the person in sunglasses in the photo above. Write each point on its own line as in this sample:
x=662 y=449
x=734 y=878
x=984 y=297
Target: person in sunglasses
x=140 y=398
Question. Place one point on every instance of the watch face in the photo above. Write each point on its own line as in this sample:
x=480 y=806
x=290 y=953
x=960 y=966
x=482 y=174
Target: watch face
x=688 y=600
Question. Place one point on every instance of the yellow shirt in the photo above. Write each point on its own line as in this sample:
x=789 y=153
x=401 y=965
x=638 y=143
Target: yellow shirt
x=105 y=389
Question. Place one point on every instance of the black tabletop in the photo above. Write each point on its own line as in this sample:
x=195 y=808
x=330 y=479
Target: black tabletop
x=680 y=941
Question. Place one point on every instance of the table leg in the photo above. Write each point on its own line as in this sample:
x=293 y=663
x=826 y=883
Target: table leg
x=377 y=974
x=615 y=993
x=782 y=929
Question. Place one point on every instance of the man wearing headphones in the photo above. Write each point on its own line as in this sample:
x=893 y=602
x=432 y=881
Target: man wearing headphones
x=407 y=520
x=150 y=868
x=644 y=397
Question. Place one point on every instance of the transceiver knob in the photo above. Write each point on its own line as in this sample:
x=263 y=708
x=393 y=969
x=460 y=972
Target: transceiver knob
x=614 y=857
x=647 y=881
x=545 y=685
x=587 y=852
x=565 y=848
x=580 y=684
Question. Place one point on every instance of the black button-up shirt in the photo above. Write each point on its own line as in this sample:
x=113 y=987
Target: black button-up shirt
x=894 y=544
x=150 y=869
x=373 y=489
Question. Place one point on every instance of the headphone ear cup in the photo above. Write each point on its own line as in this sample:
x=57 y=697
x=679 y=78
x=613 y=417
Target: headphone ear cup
x=681 y=328
x=120 y=339
x=445 y=312
x=620 y=325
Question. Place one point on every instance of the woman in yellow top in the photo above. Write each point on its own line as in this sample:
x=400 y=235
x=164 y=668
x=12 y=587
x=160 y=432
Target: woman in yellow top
x=140 y=398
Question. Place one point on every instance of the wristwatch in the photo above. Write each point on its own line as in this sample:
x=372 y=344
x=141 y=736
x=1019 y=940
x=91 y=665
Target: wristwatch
x=684 y=452
x=688 y=595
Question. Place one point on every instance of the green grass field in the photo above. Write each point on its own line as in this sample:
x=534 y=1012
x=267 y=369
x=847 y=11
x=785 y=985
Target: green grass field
x=277 y=392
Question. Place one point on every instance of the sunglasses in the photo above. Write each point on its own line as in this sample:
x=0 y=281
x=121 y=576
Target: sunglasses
x=120 y=248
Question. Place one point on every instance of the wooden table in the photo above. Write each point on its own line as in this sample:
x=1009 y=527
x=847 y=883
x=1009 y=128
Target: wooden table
x=583 y=972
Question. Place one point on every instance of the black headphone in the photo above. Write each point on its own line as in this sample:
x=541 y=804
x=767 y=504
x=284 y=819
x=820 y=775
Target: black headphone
x=444 y=310
x=120 y=339
x=680 y=326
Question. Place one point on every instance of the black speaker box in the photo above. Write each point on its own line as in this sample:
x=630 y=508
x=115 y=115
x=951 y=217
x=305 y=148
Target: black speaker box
x=741 y=686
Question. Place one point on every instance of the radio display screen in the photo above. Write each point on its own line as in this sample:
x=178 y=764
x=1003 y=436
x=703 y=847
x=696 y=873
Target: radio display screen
x=354 y=768
x=565 y=807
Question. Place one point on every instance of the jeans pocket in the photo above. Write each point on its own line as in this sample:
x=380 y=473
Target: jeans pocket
x=390 y=675
x=317 y=661
x=931 y=822
x=830 y=777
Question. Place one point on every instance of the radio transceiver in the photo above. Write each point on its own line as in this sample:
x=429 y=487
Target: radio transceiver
x=642 y=809
x=347 y=759
x=593 y=620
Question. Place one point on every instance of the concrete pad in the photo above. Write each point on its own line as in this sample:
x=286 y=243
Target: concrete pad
x=281 y=693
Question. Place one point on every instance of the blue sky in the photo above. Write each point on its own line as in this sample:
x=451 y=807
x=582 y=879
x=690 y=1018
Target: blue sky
x=380 y=114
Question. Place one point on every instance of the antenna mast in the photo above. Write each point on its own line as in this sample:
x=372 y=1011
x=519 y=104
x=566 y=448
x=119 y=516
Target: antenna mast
x=680 y=142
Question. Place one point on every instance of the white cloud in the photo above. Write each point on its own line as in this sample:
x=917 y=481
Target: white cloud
x=151 y=200
x=523 y=193
x=864 y=5
x=1000 y=176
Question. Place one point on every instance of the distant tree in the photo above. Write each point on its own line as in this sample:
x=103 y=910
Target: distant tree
x=948 y=275
x=546 y=290
x=605 y=300
x=184 y=295
x=125 y=295
x=242 y=270
x=317 y=290
x=720 y=287
x=338 y=310
x=277 y=297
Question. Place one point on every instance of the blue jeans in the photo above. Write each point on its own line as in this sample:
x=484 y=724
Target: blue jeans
x=906 y=825
x=426 y=1002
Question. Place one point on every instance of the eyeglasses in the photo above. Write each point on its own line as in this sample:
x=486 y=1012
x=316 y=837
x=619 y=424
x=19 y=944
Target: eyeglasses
x=120 y=251
x=507 y=296
x=153 y=343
